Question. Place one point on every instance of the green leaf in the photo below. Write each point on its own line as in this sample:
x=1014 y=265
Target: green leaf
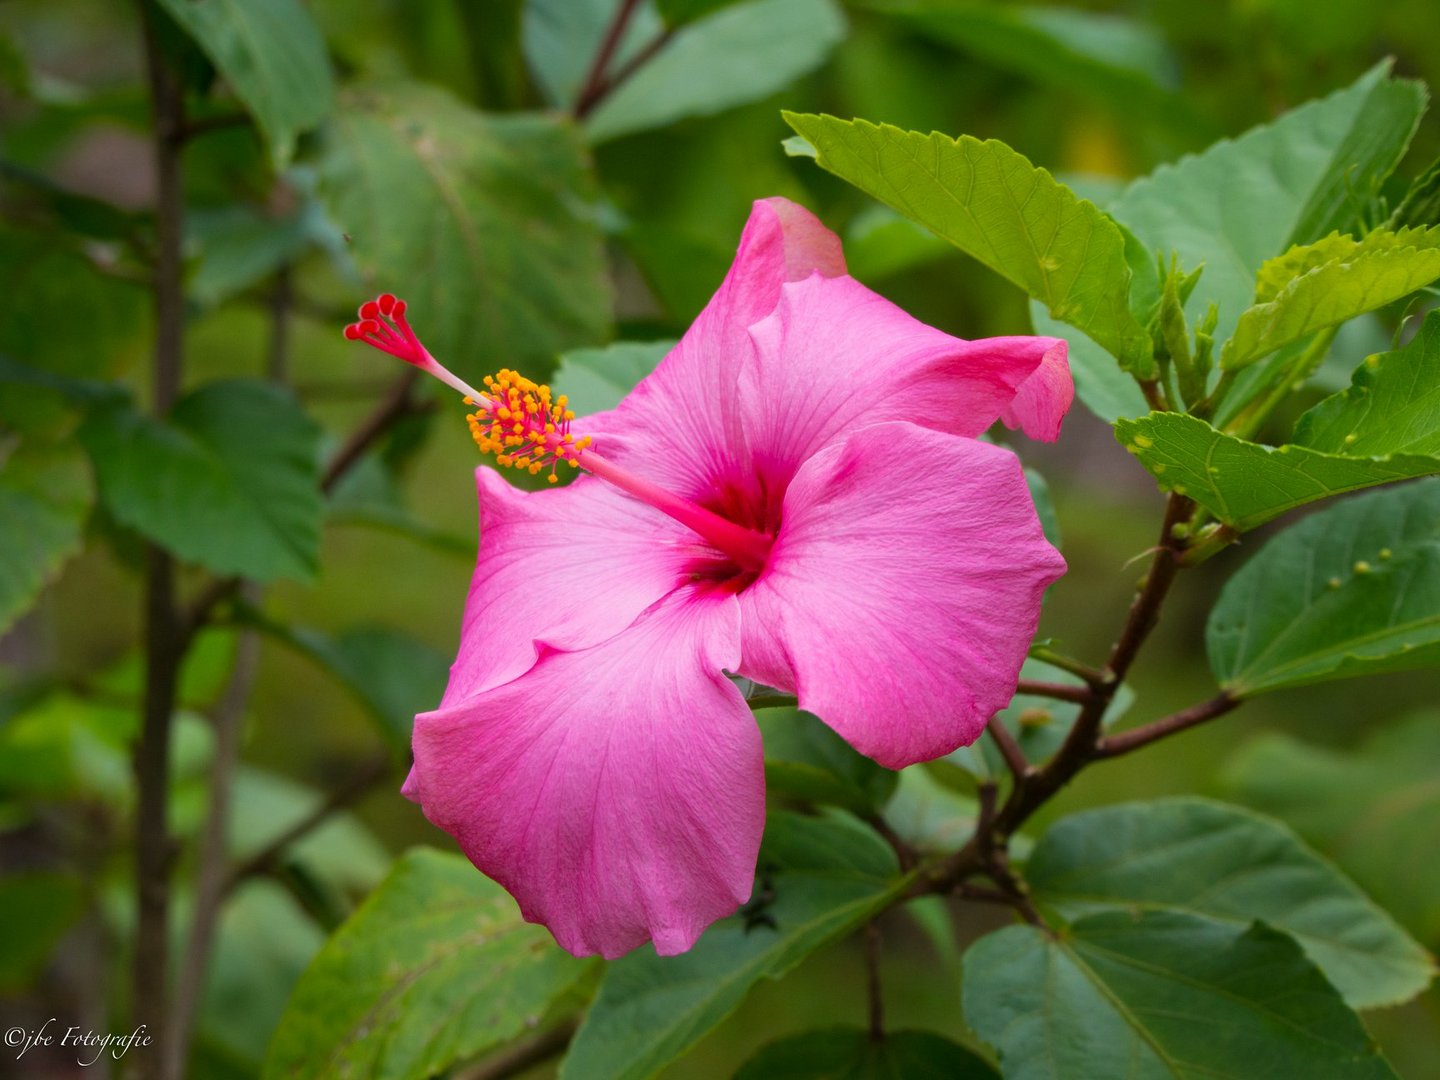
x=1352 y=590
x=1246 y=484
x=392 y=675
x=819 y=879
x=237 y=247
x=64 y=747
x=679 y=12
x=272 y=55
x=1246 y=200
x=1044 y=506
x=929 y=816
x=853 y=1054
x=1200 y=857
x=1374 y=809
x=263 y=942
x=1373 y=272
x=879 y=242
x=39 y=908
x=62 y=314
x=45 y=496
x=1421 y=205
x=1391 y=407
x=805 y=760
x=1118 y=59
x=993 y=204
x=739 y=54
x=484 y=224
x=1160 y=995
x=231 y=480
x=435 y=967
x=596 y=379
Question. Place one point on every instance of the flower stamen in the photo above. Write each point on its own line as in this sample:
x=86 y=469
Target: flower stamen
x=526 y=426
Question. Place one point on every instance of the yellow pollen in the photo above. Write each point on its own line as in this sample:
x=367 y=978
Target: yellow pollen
x=524 y=425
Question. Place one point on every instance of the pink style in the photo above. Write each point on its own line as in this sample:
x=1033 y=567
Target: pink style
x=795 y=495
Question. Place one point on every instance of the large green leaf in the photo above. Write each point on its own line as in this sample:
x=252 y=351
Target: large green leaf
x=435 y=967
x=1368 y=274
x=596 y=379
x=45 y=495
x=1112 y=57
x=273 y=56
x=805 y=760
x=484 y=224
x=1246 y=484
x=1104 y=387
x=854 y=1054
x=820 y=878
x=1209 y=859
x=1246 y=200
x=742 y=53
x=1158 y=995
x=231 y=480
x=993 y=204
x=1352 y=590
x=1391 y=407
x=1374 y=809
x=62 y=314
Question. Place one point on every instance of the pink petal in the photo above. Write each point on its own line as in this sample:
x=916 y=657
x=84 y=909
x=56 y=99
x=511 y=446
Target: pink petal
x=834 y=355
x=903 y=590
x=617 y=792
x=679 y=426
x=1045 y=397
x=564 y=568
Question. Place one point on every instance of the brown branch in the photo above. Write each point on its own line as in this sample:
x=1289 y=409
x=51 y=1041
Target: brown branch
x=210 y=879
x=598 y=84
x=1009 y=749
x=593 y=89
x=396 y=404
x=265 y=860
x=165 y=639
x=1060 y=691
x=1123 y=743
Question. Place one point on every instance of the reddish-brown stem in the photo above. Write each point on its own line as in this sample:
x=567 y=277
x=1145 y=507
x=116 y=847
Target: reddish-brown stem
x=1009 y=749
x=594 y=88
x=523 y=1056
x=1059 y=691
x=397 y=403
x=1126 y=741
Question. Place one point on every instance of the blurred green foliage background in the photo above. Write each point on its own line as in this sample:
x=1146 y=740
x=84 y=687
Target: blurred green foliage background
x=1097 y=92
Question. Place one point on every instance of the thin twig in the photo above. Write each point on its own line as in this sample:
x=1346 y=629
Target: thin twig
x=1009 y=749
x=264 y=860
x=213 y=855
x=1093 y=676
x=624 y=71
x=1126 y=741
x=1060 y=691
x=164 y=634
x=594 y=86
x=396 y=404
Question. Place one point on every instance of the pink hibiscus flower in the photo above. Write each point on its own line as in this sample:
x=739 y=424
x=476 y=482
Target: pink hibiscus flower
x=795 y=495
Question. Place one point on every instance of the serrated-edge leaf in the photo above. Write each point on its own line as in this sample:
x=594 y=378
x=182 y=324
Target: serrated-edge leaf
x=1246 y=484
x=433 y=908
x=1355 y=588
x=46 y=492
x=1087 y=285
x=1374 y=273
x=1392 y=405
